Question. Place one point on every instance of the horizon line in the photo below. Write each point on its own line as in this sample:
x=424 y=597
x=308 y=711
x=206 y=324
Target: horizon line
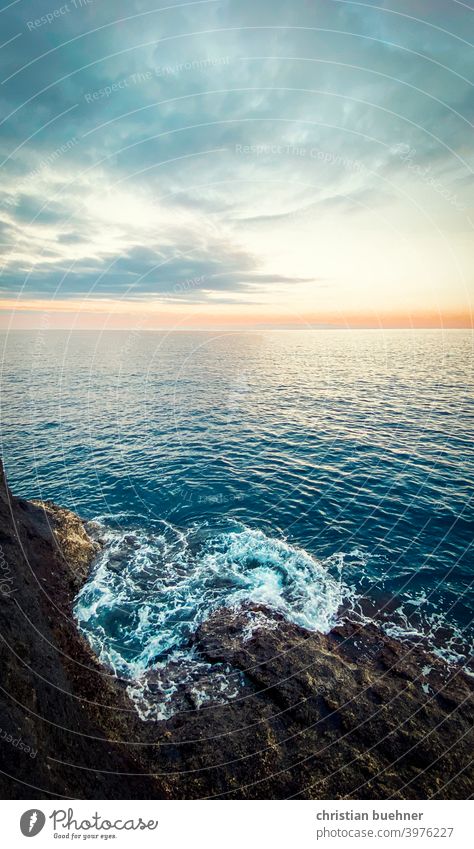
x=251 y=329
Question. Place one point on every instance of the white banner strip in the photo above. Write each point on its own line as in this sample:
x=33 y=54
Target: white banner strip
x=238 y=824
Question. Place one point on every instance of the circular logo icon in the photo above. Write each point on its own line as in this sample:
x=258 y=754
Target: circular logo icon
x=32 y=822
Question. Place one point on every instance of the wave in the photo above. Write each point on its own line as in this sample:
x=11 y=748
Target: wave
x=149 y=591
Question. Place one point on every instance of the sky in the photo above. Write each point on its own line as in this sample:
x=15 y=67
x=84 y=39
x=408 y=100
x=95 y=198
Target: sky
x=236 y=163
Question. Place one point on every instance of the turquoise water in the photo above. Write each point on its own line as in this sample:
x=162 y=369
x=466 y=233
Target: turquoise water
x=305 y=470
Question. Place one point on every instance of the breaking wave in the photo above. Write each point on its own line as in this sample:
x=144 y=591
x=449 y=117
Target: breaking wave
x=148 y=593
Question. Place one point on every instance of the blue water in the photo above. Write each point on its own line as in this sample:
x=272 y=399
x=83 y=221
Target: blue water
x=305 y=470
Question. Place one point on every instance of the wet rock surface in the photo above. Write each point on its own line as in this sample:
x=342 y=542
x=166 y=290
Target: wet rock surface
x=350 y=714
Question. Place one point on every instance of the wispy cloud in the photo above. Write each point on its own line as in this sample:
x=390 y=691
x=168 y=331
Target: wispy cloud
x=238 y=153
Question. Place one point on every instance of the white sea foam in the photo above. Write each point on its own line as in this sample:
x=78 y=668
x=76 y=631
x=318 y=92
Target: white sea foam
x=148 y=593
x=271 y=572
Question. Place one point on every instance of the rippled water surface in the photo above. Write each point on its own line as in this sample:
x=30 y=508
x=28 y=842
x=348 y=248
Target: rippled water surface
x=298 y=469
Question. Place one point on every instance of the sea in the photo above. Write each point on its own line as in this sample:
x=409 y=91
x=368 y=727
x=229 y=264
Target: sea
x=319 y=473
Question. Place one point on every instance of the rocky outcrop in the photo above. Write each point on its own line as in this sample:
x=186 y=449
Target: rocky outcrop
x=45 y=556
x=350 y=714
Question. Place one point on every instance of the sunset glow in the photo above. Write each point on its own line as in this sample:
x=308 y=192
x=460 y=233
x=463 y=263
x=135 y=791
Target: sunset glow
x=209 y=169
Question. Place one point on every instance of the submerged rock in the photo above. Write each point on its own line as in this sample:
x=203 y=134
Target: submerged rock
x=353 y=713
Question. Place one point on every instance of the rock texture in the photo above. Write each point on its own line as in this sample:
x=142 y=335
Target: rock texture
x=350 y=714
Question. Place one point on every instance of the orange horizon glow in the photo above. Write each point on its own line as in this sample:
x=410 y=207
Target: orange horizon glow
x=120 y=315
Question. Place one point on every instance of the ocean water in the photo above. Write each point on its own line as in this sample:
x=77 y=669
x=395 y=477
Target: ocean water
x=312 y=471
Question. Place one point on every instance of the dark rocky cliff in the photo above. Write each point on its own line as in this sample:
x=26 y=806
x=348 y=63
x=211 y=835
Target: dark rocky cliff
x=46 y=554
x=348 y=714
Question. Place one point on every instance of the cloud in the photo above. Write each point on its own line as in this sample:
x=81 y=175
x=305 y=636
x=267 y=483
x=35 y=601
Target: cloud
x=122 y=174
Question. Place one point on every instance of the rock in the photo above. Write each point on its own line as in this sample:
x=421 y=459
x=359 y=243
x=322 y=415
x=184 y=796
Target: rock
x=131 y=541
x=341 y=715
